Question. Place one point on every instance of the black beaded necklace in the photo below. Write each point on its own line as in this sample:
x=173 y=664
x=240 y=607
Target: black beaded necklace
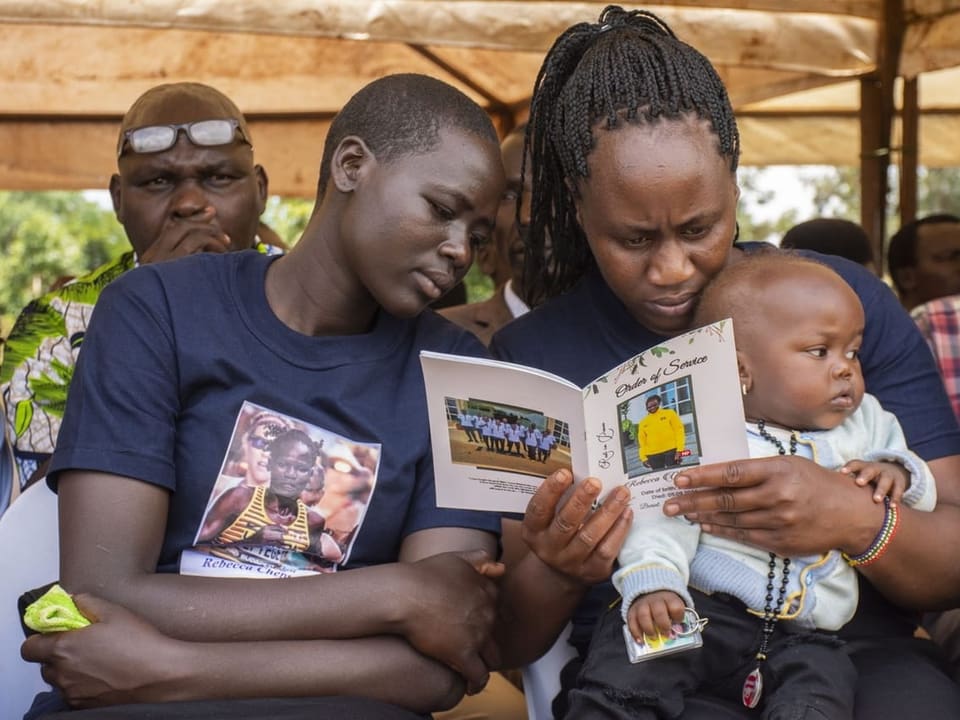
x=753 y=685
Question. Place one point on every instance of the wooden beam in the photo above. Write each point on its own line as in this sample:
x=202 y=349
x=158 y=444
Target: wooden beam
x=873 y=163
x=876 y=122
x=909 y=151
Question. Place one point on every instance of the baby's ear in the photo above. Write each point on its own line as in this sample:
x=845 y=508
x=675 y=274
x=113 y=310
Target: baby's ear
x=349 y=162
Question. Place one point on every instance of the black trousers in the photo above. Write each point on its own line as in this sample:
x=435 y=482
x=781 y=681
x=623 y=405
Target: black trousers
x=807 y=675
x=659 y=461
x=899 y=677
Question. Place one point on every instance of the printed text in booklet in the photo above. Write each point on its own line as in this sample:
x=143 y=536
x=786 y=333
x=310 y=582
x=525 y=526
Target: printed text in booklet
x=498 y=428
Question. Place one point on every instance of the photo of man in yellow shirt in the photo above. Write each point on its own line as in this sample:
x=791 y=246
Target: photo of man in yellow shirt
x=660 y=436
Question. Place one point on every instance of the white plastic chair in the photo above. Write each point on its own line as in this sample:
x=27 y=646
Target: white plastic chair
x=9 y=481
x=541 y=679
x=29 y=558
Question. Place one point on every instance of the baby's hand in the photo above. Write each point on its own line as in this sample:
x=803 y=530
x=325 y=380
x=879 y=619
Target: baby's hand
x=888 y=478
x=653 y=612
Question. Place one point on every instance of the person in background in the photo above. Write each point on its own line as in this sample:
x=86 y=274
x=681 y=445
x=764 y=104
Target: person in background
x=502 y=257
x=832 y=236
x=924 y=259
x=939 y=322
x=186 y=182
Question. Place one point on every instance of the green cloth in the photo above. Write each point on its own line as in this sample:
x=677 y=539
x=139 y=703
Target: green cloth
x=54 y=611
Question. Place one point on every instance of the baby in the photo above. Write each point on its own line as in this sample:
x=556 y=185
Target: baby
x=798 y=328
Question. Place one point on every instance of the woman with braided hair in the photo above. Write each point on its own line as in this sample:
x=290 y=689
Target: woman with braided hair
x=633 y=150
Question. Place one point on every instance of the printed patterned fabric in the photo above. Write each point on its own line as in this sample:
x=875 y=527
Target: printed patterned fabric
x=939 y=323
x=39 y=357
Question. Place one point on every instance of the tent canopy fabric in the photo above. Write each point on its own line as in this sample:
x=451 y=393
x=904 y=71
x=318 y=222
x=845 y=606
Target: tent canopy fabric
x=793 y=68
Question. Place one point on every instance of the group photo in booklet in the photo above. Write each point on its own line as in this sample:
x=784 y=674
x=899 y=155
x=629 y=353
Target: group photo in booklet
x=505 y=437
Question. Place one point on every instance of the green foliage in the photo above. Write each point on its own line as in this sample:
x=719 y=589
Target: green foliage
x=754 y=190
x=836 y=192
x=287 y=217
x=44 y=236
x=479 y=286
x=938 y=191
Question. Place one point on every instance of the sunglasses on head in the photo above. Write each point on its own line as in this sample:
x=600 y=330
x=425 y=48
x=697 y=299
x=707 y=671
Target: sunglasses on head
x=257 y=442
x=203 y=133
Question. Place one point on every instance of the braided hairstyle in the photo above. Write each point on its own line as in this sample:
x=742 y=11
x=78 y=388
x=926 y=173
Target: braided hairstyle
x=293 y=436
x=630 y=67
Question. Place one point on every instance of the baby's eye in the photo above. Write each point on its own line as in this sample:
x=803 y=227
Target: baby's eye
x=853 y=354
x=818 y=352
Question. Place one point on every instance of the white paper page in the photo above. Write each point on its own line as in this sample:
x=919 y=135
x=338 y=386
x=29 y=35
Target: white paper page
x=695 y=375
x=483 y=472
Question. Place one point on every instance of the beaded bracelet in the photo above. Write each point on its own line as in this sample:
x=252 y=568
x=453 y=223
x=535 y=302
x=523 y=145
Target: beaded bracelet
x=891 y=521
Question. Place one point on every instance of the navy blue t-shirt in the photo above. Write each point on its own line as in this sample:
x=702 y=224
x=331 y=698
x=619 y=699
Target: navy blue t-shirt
x=182 y=360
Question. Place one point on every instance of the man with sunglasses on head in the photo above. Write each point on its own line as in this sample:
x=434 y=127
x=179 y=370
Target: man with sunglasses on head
x=186 y=183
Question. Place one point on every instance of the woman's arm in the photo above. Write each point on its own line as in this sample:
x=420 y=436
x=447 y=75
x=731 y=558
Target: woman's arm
x=920 y=569
x=112 y=529
x=560 y=549
x=792 y=506
x=122 y=659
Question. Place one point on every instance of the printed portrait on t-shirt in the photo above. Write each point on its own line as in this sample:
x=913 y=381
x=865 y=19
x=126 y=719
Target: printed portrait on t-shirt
x=289 y=500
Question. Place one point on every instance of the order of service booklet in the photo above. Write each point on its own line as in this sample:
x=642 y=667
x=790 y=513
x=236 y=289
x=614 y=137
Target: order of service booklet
x=498 y=429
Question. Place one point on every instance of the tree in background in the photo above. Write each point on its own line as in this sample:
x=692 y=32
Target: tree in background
x=938 y=191
x=836 y=193
x=45 y=236
x=754 y=193
x=287 y=216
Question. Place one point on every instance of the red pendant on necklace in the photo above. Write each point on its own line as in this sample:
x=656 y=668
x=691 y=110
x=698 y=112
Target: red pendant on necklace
x=753 y=688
